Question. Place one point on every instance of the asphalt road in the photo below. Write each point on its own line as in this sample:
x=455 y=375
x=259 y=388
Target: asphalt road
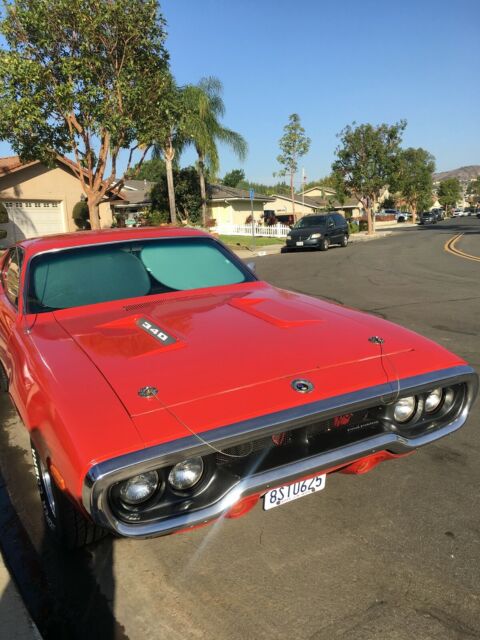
x=392 y=555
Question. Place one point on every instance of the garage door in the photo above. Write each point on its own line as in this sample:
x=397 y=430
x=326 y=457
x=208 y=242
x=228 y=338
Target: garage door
x=31 y=218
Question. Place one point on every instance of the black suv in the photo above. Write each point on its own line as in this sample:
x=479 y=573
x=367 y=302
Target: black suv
x=318 y=231
x=427 y=217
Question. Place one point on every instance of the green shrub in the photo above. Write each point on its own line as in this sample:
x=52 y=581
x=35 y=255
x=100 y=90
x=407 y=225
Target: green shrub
x=363 y=225
x=80 y=210
x=353 y=227
x=3 y=214
x=156 y=218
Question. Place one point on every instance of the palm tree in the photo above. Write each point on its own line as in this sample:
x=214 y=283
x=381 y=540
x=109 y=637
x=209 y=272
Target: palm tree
x=204 y=109
x=171 y=140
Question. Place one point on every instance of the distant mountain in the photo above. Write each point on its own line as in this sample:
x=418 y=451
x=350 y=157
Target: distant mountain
x=462 y=173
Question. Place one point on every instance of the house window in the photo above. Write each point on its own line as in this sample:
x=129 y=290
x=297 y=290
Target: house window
x=9 y=205
x=27 y=204
x=38 y=204
x=46 y=204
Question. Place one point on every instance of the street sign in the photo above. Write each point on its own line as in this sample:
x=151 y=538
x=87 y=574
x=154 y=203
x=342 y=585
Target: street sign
x=252 y=194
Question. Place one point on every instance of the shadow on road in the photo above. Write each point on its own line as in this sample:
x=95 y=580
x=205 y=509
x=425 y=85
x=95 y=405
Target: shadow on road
x=69 y=594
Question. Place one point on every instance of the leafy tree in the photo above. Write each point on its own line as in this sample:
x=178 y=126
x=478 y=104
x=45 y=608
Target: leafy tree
x=81 y=78
x=367 y=160
x=233 y=178
x=152 y=170
x=449 y=192
x=473 y=191
x=204 y=131
x=293 y=145
x=187 y=194
x=414 y=179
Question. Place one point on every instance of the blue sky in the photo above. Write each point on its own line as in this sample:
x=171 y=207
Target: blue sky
x=334 y=63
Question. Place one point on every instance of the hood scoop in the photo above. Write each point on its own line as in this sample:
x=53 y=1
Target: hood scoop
x=280 y=314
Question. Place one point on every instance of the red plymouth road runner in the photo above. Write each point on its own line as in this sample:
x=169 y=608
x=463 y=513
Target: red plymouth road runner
x=164 y=386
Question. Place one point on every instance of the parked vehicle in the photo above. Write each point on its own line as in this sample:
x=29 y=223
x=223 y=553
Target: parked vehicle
x=318 y=231
x=427 y=217
x=457 y=213
x=439 y=214
x=403 y=216
x=145 y=364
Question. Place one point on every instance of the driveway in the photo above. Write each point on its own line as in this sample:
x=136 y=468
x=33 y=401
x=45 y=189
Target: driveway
x=394 y=554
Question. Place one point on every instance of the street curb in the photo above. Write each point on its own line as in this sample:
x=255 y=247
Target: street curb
x=362 y=236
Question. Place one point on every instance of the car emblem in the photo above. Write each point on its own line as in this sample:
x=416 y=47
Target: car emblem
x=148 y=392
x=303 y=386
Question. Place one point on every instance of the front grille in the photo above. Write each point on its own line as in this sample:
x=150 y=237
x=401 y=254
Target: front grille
x=283 y=447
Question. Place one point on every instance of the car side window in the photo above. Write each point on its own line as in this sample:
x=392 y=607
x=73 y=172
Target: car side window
x=11 y=275
x=330 y=222
x=339 y=220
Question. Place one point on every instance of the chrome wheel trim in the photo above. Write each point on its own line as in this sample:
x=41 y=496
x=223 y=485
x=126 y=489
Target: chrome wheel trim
x=47 y=485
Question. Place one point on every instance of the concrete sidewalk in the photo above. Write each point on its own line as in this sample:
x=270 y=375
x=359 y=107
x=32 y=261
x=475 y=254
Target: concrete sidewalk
x=15 y=621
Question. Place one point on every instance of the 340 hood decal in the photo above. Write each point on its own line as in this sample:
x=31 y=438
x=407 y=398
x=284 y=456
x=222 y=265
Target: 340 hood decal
x=155 y=331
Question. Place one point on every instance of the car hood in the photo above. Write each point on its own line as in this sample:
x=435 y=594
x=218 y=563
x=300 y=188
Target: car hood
x=231 y=353
x=307 y=231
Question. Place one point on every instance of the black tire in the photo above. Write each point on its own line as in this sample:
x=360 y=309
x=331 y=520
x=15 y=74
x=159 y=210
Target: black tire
x=344 y=241
x=65 y=522
x=3 y=379
x=324 y=244
x=284 y=250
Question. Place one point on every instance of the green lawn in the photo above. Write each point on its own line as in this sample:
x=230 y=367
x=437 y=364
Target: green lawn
x=248 y=241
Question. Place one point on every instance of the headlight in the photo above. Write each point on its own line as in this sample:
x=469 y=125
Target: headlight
x=433 y=400
x=404 y=409
x=289 y=237
x=315 y=235
x=186 y=474
x=139 y=488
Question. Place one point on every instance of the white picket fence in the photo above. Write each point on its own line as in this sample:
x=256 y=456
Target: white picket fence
x=272 y=231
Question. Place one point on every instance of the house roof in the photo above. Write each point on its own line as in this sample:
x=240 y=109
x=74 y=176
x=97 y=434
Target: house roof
x=321 y=187
x=222 y=192
x=11 y=164
x=310 y=202
x=137 y=191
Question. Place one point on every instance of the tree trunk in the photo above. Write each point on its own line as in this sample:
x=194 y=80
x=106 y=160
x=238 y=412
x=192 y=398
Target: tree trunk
x=369 y=208
x=203 y=189
x=169 y=153
x=171 y=190
x=292 y=195
x=414 y=214
x=93 y=213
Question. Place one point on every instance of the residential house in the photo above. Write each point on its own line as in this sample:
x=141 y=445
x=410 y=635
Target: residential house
x=320 y=191
x=304 y=205
x=281 y=206
x=40 y=199
x=228 y=205
x=136 y=198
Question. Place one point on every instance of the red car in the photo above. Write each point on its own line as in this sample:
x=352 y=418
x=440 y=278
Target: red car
x=165 y=386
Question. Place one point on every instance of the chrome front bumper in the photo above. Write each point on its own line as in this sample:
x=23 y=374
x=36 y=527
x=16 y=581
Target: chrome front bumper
x=105 y=474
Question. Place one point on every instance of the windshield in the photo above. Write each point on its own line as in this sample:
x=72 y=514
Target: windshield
x=88 y=275
x=310 y=221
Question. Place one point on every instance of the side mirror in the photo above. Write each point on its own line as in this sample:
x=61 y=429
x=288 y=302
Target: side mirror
x=252 y=266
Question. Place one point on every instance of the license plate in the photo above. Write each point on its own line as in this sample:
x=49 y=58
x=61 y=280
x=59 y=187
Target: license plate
x=287 y=493
x=300 y=244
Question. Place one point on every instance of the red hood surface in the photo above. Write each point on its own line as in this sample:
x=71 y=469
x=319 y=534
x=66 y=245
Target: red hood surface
x=234 y=351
